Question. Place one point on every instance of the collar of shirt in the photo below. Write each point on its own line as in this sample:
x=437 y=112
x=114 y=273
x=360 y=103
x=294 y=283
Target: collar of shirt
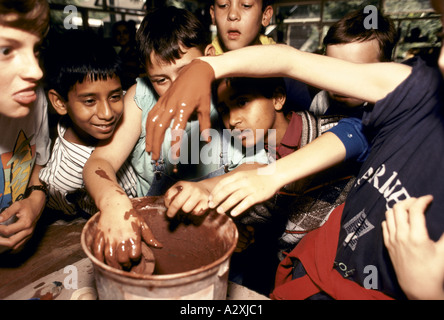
x=292 y=138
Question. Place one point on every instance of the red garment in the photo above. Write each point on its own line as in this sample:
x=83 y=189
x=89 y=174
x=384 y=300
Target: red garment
x=317 y=251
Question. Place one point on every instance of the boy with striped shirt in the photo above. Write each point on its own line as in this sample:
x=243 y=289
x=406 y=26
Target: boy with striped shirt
x=85 y=89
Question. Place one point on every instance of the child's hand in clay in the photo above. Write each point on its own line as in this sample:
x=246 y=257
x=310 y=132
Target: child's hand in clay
x=188 y=197
x=120 y=230
x=190 y=92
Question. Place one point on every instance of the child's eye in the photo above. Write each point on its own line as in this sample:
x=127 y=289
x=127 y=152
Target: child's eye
x=116 y=97
x=159 y=81
x=241 y=102
x=5 y=51
x=222 y=110
x=89 y=102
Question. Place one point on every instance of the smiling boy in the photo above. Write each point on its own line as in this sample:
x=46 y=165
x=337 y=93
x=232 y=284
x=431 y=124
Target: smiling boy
x=85 y=89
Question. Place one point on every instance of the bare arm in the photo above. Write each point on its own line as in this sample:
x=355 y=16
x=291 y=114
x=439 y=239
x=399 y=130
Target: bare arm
x=120 y=229
x=244 y=189
x=369 y=82
x=191 y=90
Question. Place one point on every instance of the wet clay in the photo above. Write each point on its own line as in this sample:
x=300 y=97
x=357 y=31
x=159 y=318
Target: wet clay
x=187 y=245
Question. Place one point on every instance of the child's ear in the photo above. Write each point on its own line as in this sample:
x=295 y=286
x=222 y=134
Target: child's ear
x=279 y=98
x=57 y=102
x=210 y=50
x=213 y=19
x=267 y=15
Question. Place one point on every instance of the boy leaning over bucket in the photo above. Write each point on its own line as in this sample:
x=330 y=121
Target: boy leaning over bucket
x=84 y=87
x=24 y=141
x=253 y=110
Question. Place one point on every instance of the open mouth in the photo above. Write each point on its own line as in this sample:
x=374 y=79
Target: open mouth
x=233 y=34
x=25 y=97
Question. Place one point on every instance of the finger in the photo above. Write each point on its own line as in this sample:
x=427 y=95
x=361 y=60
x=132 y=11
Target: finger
x=191 y=203
x=177 y=202
x=135 y=250
x=170 y=195
x=243 y=206
x=417 y=217
x=385 y=234
x=149 y=126
x=98 y=246
x=390 y=225
x=148 y=258
x=110 y=256
x=203 y=115
x=148 y=236
x=123 y=254
x=201 y=208
x=223 y=189
x=233 y=199
x=401 y=219
x=177 y=134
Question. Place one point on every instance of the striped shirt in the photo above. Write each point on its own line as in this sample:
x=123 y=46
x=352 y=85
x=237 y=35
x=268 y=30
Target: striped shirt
x=63 y=175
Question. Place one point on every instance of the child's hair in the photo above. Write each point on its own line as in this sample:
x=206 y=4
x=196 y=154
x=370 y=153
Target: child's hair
x=29 y=15
x=352 y=28
x=259 y=87
x=265 y=87
x=163 y=30
x=77 y=55
x=266 y=3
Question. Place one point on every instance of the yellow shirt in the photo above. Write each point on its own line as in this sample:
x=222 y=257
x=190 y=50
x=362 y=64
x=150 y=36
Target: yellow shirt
x=262 y=38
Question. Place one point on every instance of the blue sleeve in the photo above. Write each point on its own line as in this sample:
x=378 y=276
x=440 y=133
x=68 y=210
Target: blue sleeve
x=350 y=132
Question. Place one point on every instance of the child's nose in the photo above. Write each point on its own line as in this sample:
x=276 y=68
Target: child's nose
x=30 y=69
x=233 y=13
x=104 y=110
x=234 y=119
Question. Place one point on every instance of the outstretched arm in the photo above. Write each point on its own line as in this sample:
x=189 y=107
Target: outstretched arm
x=120 y=229
x=192 y=89
x=244 y=189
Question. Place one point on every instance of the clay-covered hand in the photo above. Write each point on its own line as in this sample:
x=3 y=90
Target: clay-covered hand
x=242 y=190
x=118 y=238
x=190 y=92
x=418 y=260
x=189 y=197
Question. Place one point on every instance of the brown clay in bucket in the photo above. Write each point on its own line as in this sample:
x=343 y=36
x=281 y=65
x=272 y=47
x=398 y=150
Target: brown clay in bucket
x=187 y=244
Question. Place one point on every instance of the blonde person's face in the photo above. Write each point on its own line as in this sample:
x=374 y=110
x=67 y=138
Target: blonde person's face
x=20 y=71
x=246 y=113
x=162 y=74
x=95 y=107
x=357 y=52
x=239 y=22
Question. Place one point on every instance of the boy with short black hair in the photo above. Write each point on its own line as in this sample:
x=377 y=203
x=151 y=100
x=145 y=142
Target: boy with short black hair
x=24 y=142
x=84 y=87
x=253 y=110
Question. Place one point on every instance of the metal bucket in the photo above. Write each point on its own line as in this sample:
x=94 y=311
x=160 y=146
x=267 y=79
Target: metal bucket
x=180 y=272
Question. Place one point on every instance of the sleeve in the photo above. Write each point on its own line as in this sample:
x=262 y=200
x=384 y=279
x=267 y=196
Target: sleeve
x=350 y=132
